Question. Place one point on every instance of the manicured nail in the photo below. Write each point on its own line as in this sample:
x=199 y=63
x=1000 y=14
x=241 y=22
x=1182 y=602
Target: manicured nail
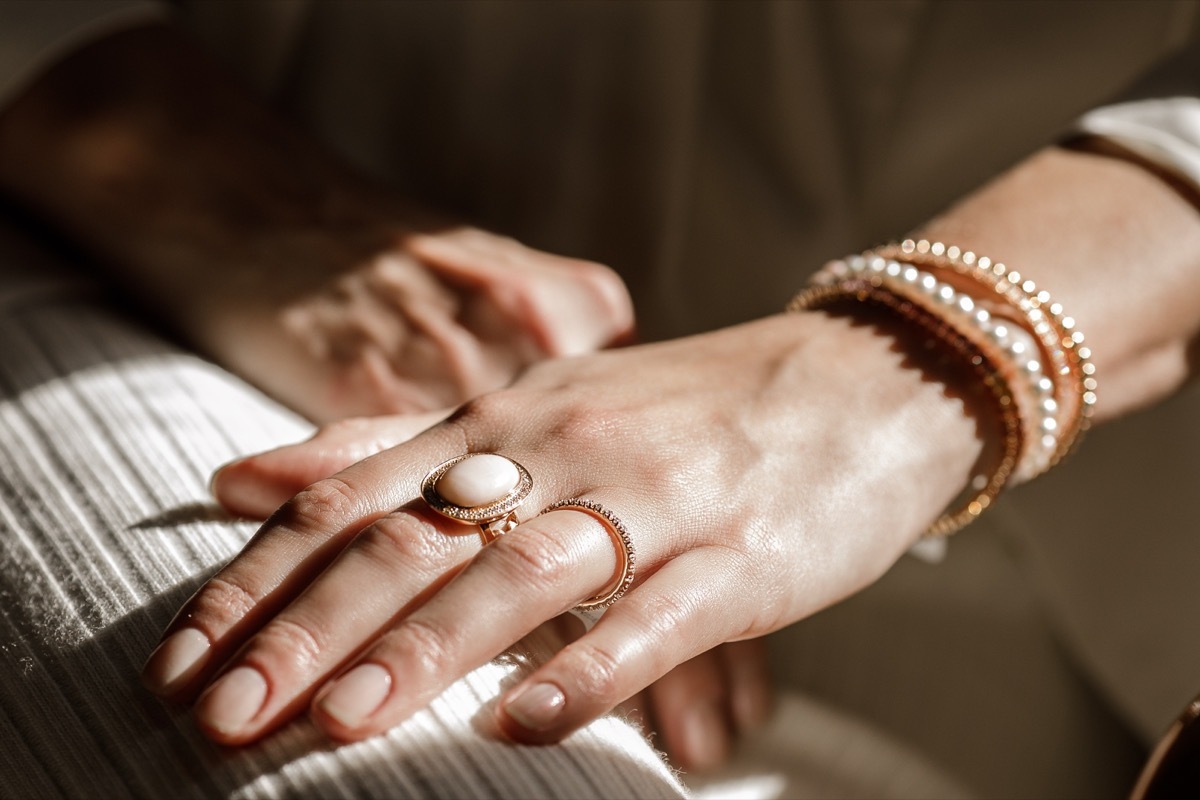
x=357 y=694
x=537 y=707
x=233 y=701
x=705 y=737
x=175 y=662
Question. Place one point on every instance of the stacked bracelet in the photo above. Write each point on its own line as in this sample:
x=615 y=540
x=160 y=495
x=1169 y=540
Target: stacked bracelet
x=1062 y=345
x=1002 y=342
x=986 y=486
x=1014 y=336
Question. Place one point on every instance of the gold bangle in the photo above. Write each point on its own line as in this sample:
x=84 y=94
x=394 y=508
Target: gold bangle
x=1012 y=437
x=1062 y=344
x=1006 y=344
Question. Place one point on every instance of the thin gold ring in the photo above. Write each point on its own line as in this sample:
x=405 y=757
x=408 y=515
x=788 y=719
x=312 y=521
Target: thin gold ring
x=624 y=546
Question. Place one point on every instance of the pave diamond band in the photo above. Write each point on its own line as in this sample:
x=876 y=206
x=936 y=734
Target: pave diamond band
x=624 y=546
x=483 y=489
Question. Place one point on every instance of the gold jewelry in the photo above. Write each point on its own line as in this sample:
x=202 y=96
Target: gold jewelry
x=984 y=489
x=624 y=546
x=1008 y=346
x=1072 y=372
x=483 y=489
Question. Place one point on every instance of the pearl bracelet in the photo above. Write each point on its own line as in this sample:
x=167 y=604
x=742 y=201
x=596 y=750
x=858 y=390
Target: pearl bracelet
x=1062 y=345
x=1005 y=344
x=984 y=488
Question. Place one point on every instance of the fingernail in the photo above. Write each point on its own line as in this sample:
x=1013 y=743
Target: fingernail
x=175 y=662
x=537 y=707
x=705 y=738
x=357 y=694
x=233 y=701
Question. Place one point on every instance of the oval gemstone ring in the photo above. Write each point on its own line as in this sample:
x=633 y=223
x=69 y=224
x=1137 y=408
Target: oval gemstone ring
x=483 y=489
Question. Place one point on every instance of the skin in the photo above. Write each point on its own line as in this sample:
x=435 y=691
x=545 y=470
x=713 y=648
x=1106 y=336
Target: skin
x=255 y=245
x=766 y=470
x=825 y=450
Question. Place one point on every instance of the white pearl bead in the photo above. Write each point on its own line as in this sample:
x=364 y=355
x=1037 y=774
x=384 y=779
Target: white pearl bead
x=476 y=481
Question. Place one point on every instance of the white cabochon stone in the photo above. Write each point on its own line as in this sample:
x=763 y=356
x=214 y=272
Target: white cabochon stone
x=478 y=480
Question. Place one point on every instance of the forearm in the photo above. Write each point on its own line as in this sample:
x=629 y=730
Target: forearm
x=1117 y=244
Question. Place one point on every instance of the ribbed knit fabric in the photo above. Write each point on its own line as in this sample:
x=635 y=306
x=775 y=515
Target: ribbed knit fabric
x=107 y=438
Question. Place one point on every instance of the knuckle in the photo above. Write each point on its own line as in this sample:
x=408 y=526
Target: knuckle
x=664 y=614
x=316 y=505
x=300 y=646
x=403 y=538
x=586 y=424
x=430 y=645
x=488 y=411
x=596 y=672
x=224 y=602
x=532 y=557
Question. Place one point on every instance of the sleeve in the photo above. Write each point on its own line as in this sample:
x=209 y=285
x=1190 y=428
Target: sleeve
x=36 y=33
x=1158 y=118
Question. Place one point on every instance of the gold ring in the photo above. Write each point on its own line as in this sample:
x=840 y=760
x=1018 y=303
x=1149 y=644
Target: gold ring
x=483 y=489
x=624 y=545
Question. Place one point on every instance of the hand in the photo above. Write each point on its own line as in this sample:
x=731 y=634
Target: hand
x=255 y=244
x=765 y=471
x=386 y=322
x=699 y=708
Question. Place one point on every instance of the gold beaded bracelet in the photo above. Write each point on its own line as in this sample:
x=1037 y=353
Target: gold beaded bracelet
x=982 y=492
x=1005 y=343
x=1061 y=343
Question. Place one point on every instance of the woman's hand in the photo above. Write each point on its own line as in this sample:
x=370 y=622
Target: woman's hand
x=764 y=472
x=339 y=323
x=255 y=244
x=698 y=709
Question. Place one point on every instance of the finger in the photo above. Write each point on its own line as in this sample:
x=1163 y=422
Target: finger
x=540 y=569
x=256 y=485
x=588 y=306
x=681 y=611
x=748 y=679
x=291 y=548
x=390 y=568
x=689 y=706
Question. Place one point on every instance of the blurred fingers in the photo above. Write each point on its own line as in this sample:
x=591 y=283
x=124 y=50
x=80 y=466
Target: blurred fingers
x=689 y=704
x=748 y=679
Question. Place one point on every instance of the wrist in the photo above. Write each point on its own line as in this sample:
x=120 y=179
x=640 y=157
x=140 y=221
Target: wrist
x=912 y=424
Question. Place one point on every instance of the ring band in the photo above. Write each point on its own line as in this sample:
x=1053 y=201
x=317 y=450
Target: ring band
x=484 y=489
x=620 y=536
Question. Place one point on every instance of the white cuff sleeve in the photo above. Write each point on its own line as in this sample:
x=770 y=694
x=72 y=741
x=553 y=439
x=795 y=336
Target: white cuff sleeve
x=1164 y=131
